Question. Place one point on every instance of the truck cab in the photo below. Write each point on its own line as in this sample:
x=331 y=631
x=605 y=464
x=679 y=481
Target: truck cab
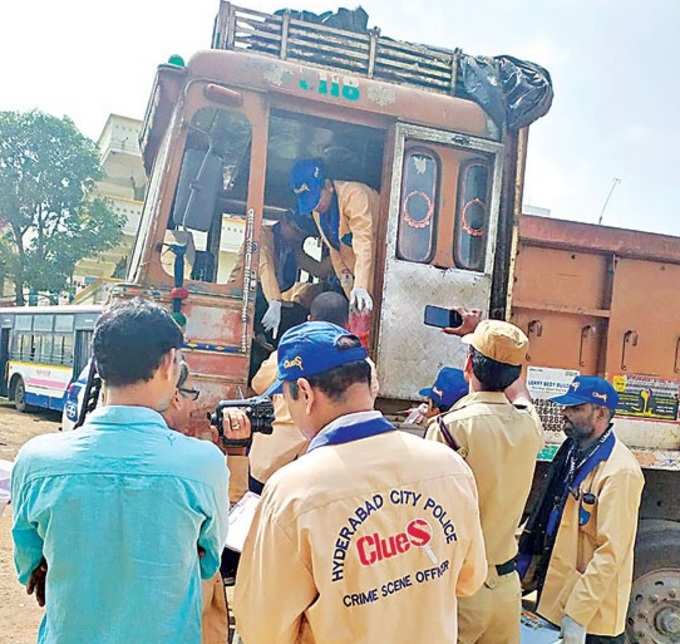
x=221 y=134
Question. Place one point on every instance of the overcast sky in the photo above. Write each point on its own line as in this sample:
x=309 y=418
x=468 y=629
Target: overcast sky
x=613 y=62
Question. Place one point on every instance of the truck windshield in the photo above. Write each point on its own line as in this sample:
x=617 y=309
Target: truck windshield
x=208 y=213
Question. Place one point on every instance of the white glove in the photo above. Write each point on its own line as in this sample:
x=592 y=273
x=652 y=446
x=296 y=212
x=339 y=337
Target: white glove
x=417 y=415
x=360 y=300
x=572 y=632
x=272 y=318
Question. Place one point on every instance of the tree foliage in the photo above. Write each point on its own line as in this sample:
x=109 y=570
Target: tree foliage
x=50 y=216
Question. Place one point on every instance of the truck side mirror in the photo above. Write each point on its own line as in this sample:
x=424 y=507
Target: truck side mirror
x=199 y=182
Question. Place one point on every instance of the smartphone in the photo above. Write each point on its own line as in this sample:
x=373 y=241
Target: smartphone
x=442 y=318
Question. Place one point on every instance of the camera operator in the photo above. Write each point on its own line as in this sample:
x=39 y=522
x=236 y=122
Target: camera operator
x=320 y=562
x=215 y=616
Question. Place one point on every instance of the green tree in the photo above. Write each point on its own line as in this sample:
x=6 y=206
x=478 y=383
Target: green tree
x=50 y=216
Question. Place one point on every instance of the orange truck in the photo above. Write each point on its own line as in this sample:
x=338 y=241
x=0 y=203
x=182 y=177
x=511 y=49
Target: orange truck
x=220 y=136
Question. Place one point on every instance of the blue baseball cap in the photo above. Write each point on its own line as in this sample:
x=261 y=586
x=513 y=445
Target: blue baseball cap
x=310 y=349
x=448 y=388
x=307 y=179
x=589 y=389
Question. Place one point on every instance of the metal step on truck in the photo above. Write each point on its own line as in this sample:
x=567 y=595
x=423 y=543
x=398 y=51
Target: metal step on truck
x=220 y=136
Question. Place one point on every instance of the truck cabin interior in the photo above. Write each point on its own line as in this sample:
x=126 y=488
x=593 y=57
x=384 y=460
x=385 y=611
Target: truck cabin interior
x=218 y=151
x=445 y=191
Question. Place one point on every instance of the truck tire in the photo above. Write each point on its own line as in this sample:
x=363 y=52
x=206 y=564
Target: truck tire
x=654 y=608
x=20 y=396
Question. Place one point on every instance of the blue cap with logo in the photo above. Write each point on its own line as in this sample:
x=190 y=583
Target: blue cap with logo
x=589 y=389
x=307 y=179
x=310 y=349
x=448 y=388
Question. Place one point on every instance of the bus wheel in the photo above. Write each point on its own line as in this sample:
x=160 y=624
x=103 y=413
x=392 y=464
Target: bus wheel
x=20 y=396
x=654 y=609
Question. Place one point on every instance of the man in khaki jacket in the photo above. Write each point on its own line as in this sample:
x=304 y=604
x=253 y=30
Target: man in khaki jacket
x=577 y=548
x=370 y=535
x=500 y=441
x=346 y=214
x=281 y=256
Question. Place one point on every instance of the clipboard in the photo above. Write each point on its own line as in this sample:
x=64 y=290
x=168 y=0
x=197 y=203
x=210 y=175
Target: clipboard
x=241 y=516
x=536 y=630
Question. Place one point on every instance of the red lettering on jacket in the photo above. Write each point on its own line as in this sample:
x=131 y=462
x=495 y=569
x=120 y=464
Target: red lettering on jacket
x=373 y=548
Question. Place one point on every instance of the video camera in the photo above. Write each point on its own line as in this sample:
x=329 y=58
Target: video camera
x=260 y=412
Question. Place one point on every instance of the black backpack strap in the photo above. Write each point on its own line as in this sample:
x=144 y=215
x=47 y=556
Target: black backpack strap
x=450 y=441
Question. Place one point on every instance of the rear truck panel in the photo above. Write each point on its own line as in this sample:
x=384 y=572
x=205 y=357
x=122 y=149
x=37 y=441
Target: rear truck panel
x=601 y=300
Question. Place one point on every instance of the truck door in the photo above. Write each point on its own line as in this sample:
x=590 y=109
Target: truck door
x=440 y=236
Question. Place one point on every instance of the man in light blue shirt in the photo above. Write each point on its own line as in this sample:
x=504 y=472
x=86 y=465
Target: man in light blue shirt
x=118 y=510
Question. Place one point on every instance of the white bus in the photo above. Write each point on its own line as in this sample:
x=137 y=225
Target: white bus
x=43 y=348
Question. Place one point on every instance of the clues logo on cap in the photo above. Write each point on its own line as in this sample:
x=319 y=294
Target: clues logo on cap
x=295 y=362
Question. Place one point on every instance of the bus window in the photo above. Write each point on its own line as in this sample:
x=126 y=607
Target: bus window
x=211 y=222
x=418 y=209
x=63 y=323
x=43 y=323
x=43 y=348
x=67 y=356
x=23 y=347
x=23 y=323
x=472 y=215
x=15 y=351
x=63 y=349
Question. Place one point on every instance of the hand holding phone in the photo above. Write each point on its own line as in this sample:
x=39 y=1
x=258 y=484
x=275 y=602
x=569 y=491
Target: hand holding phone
x=442 y=318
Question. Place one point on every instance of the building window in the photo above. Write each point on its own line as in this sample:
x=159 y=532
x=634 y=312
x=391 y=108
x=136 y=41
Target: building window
x=418 y=209
x=472 y=215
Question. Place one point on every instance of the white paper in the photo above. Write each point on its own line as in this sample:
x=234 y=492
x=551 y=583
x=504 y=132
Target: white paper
x=240 y=518
x=536 y=630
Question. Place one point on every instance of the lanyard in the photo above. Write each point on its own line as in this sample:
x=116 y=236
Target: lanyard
x=577 y=472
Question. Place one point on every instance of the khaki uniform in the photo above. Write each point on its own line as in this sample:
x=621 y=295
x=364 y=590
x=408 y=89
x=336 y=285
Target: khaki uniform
x=590 y=572
x=215 y=618
x=270 y=452
x=500 y=443
x=359 y=208
x=366 y=541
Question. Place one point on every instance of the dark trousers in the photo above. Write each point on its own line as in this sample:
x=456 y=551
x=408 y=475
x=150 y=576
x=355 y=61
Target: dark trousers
x=605 y=639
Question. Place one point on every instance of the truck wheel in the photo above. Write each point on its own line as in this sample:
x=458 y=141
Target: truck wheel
x=654 y=608
x=20 y=396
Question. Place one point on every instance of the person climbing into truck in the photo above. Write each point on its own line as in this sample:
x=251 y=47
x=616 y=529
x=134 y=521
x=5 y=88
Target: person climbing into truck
x=346 y=215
